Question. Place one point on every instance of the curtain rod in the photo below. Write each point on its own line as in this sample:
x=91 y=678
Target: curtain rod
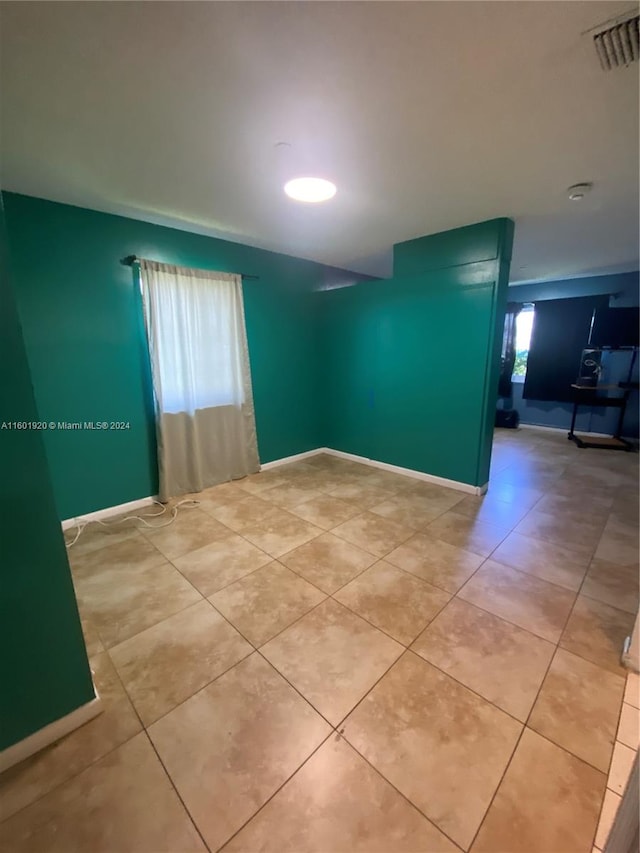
x=130 y=260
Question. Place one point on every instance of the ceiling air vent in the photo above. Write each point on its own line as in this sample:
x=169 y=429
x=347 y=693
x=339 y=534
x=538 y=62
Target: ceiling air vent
x=616 y=41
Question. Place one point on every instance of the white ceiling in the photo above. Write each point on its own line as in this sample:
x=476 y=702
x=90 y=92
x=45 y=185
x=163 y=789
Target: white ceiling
x=427 y=115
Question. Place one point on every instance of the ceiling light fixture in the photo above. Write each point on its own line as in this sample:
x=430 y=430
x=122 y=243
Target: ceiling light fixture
x=578 y=191
x=310 y=190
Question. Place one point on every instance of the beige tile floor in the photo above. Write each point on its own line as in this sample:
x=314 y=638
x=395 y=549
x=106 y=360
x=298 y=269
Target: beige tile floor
x=329 y=657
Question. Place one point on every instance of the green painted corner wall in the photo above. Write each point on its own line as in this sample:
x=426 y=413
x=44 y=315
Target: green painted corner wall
x=412 y=362
x=84 y=334
x=44 y=670
x=402 y=370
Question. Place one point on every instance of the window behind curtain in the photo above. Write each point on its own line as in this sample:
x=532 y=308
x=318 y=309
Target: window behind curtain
x=205 y=422
x=199 y=340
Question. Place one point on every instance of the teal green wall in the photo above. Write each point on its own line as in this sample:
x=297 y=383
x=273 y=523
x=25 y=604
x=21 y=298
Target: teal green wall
x=412 y=362
x=402 y=370
x=44 y=673
x=85 y=340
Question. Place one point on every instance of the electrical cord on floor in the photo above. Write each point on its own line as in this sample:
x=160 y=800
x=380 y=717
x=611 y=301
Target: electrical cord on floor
x=83 y=524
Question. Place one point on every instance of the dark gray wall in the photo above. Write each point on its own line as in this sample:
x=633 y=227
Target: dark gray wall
x=625 y=292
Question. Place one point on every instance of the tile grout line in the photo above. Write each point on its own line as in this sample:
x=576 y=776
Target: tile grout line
x=431 y=821
x=177 y=792
x=275 y=793
x=341 y=733
x=405 y=648
x=526 y=725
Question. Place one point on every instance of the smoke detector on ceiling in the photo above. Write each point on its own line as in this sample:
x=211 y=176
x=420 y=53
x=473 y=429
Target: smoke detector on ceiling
x=616 y=41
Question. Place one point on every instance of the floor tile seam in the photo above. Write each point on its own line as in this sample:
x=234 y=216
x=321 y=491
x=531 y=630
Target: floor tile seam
x=342 y=586
x=582 y=657
x=571 y=752
x=161 y=559
x=497 y=788
x=419 y=529
x=608 y=604
x=221 y=848
x=260 y=645
x=215 y=610
x=607 y=776
x=405 y=648
x=598 y=666
x=289 y=508
x=615 y=741
x=254 y=650
x=100 y=757
x=241 y=533
x=626 y=746
x=537 y=577
x=410 y=802
x=431 y=583
x=377 y=556
x=230 y=583
x=297 y=618
x=591 y=597
x=156 y=624
x=510 y=526
x=296 y=690
x=497 y=527
x=461 y=683
x=377 y=627
x=177 y=792
x=588 y=555
x=341 y=724
x=184 y=553
x=614 y=563
x=258 y=521
x=525 y=728
x=410 y=574
x=504 y=619
x=70 y=551
x=73 y=776
x=147 y=726
x=521 y=732
x=90 y=616
x=484 y=557
x=149 y=538
x=558 y=647
x=321 y=526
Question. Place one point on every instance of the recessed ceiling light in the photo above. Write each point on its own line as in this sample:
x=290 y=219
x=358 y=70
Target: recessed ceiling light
x=578 y=191
x=310 y=189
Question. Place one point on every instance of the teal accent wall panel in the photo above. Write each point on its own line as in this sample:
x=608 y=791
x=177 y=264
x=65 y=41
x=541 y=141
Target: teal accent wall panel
x=84 y=334
x=467 y=245
x=412 y=362
x=44 y=672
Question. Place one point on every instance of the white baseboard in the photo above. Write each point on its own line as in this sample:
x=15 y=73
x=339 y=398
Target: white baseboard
x=50 y=734
x=295 y=458
x=109 y=511
x=131 y=506
x=409 y=472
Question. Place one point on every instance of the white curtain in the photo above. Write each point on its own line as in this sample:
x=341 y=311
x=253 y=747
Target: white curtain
x=205 y=420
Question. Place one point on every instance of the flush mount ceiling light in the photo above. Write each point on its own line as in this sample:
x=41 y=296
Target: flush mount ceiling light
x=578 y=191
x=310 y=189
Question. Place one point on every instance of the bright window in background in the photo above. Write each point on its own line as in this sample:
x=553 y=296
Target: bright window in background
x=524 y=327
